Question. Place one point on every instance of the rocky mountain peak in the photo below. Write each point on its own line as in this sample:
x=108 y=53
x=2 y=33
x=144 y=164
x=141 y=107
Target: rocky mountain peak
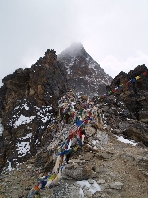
x=50 y=58
x=84 y=74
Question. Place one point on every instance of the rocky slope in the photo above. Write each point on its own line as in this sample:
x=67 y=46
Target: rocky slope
x=119 y=170
x=84 y=74
x=102 y=167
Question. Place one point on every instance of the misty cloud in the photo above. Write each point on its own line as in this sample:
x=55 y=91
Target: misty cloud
x=115 y=66
x=106 y=29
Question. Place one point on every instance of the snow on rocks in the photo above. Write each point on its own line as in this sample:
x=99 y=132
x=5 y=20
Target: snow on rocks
x=126 y=141
x=23 y=120
x=88 y=187
x=1 y=128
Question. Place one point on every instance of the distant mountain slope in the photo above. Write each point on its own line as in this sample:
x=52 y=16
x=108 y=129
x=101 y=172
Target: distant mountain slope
x=84 y=74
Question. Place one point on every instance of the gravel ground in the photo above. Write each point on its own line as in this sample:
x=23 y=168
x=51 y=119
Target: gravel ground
x=119 y=169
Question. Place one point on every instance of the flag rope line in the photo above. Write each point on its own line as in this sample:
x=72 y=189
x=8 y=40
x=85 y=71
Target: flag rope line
x=134 y=79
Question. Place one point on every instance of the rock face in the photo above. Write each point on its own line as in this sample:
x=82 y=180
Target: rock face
x=135 y=94
x=126 y=110
x=84 y=74
x=28 y=104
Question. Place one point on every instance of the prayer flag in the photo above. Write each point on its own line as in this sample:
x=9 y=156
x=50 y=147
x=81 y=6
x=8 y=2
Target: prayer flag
x=144 y=73
x=79 y=123
x=127 y=82
x=73 y=128
x=137 y=77
x=133 y=80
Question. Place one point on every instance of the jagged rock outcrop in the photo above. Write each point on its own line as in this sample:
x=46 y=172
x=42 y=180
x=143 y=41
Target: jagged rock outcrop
x=84 y=74
x=135 y=93
x=126 y=108
x=28 y=104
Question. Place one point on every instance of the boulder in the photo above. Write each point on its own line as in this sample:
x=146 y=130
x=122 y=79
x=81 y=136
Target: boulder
x=77 y=172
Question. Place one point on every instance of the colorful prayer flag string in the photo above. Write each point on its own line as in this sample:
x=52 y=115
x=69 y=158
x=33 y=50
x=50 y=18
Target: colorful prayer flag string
x=133 y=80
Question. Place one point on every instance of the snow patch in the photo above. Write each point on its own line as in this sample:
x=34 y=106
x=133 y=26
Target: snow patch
x=29 y=135
x=1 y=129
x=23 y=120
x=9 y=166
x=23 y=105
x=90 y=187
x=122 y=139
x=23 y=148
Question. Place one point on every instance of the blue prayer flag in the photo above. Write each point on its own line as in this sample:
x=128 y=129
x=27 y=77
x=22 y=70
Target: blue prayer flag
x=79 y=123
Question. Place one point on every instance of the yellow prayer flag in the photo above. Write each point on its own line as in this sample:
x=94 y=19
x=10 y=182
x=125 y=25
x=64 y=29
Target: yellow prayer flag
x=76 y=148
x=52 y=177
x=137 y=77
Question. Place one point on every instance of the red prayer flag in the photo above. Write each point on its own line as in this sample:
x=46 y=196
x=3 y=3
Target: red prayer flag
x=144 y=73
x=86 y=121
x=127 y=82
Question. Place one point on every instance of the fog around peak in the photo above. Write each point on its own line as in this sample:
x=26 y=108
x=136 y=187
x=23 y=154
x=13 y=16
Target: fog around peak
x=114 y=33
x=74 y=49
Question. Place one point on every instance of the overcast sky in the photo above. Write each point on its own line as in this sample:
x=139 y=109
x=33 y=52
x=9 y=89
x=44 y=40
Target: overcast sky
x=113 y=32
